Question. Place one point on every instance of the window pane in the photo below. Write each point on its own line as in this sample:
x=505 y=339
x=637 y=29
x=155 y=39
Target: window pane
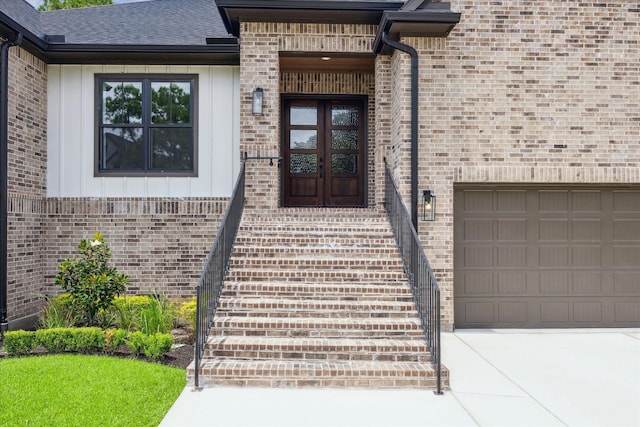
x=343 y=163
x=121 y=102
x=171 y=102
x=344 y=139
x=121 y=148
x=304 y=116
x=303 y=163
x=303 y=139
x=344 y=115
x=171 y=149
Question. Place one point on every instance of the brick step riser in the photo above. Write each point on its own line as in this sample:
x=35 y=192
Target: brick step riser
x=345 y=276
x=326 y=253
x=316 y=264
x=317 y=333
x=320 y=297
x=323 y=307
x=319 y=314
x=354 y=355
x=333 y=382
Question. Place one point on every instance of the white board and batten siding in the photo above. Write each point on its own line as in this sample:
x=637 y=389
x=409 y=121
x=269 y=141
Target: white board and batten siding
x=71 y=135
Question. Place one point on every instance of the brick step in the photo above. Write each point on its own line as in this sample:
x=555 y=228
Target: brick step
x=314 y=275
x=322 y=291
x=330 y=251
x=317 y=327
x=317 y=263
x=302 y=240
x=313 y=308
x=293 y=373
x=317 y=349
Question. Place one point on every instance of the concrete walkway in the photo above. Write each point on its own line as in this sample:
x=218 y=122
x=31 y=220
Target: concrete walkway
x=498 y=378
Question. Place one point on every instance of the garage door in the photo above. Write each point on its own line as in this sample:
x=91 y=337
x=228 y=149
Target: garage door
x=536 y=258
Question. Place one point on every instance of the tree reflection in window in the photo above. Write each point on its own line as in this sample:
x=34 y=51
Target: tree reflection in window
x=147 y=125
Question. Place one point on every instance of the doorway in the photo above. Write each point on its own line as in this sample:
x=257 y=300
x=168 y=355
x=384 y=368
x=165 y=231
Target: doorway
x=323 y=150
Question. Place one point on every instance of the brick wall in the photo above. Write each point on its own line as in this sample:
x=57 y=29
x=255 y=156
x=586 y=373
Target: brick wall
x=161 y=244
x=526 y=92
x=27 y=161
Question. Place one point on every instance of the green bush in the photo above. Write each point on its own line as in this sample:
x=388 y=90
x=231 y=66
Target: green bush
x=135 y=342
x=159 y=316
x=59 y=340
x=156 y=345
x=19 y=343
x=188 y=312
x=128 y=311
x=90 y=281
x=114 y=338
x=57 y=313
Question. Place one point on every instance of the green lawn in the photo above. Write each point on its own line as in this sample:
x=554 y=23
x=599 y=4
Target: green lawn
x=77 y=390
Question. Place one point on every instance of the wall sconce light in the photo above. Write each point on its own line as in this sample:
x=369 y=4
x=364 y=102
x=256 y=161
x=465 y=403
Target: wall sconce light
x=428 y=206
x=257 y=101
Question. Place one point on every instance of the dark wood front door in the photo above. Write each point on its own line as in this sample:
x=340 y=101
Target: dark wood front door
x=324 y=152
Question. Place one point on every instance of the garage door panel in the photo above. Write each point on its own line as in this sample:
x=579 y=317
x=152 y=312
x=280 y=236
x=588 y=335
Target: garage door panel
x=554 y=282
x=626 y=230
x=478 y=230
x=551 y=230
x=586 y=256
x=512 y=256
x=587 y=283
x=478 y=257
x=554 y=312
x=586 y=230
x=554 y=256
x=627 y=311
x=512 y=201
x=513 y=312
x=626 y=256
x=586 y=201
x=626 y=201
x=627 y=283
x=547 y=257
x=553 y=201
x=510 y=230
x=512 y=283
x=478 y=284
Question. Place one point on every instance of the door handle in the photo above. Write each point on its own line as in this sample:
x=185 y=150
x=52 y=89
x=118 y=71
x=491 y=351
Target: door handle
x=320 y=165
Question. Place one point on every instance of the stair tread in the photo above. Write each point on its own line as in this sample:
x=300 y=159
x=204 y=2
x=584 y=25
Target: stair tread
x=292 y=343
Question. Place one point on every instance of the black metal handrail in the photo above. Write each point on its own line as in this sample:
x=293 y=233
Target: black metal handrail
x=215 y=268
x=424 y=287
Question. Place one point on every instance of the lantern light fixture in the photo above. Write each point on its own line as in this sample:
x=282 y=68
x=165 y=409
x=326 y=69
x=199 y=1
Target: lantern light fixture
x=257 y=102
x=428 y=206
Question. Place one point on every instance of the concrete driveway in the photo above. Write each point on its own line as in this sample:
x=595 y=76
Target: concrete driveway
x=498 y=378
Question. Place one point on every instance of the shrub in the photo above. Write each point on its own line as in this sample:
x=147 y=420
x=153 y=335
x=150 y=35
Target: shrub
x=58 y=340
x=128 y=311
x=159 y=316
x=57 y=313
x=188 y=312
x=156 y=345
x=114 y=338
x=90 y=281
x=19 y=343
x=135 y=342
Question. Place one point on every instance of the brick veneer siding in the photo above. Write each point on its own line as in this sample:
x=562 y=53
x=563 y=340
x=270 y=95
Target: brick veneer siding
x=513 y=80
x=261 y=44
x=27 y=164
x=161 y=244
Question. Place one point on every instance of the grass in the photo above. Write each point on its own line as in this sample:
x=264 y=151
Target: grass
x=78 y=390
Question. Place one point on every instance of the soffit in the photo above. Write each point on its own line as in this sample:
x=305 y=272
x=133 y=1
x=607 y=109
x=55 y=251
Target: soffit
x=327 y=63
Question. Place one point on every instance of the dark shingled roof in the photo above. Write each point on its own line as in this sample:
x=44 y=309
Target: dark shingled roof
x=158 y=22
x=21 y=13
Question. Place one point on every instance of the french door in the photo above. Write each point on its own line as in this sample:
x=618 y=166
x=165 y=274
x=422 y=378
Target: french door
x=324 y=151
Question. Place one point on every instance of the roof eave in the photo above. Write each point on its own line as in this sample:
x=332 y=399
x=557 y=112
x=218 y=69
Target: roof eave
x=317 y=11
x=218 y=52
x=424 y=23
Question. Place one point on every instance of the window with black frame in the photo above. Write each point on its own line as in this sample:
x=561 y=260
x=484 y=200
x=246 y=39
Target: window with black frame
x=146 y=125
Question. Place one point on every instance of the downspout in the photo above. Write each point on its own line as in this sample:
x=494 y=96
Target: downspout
x=414 y=122
x=4 y=174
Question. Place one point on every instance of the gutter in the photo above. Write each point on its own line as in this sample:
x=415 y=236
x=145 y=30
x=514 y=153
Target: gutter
x=4 y=167
x=414 y=121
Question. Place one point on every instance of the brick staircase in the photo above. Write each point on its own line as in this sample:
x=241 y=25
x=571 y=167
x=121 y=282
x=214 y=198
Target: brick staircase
x=317 y=298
